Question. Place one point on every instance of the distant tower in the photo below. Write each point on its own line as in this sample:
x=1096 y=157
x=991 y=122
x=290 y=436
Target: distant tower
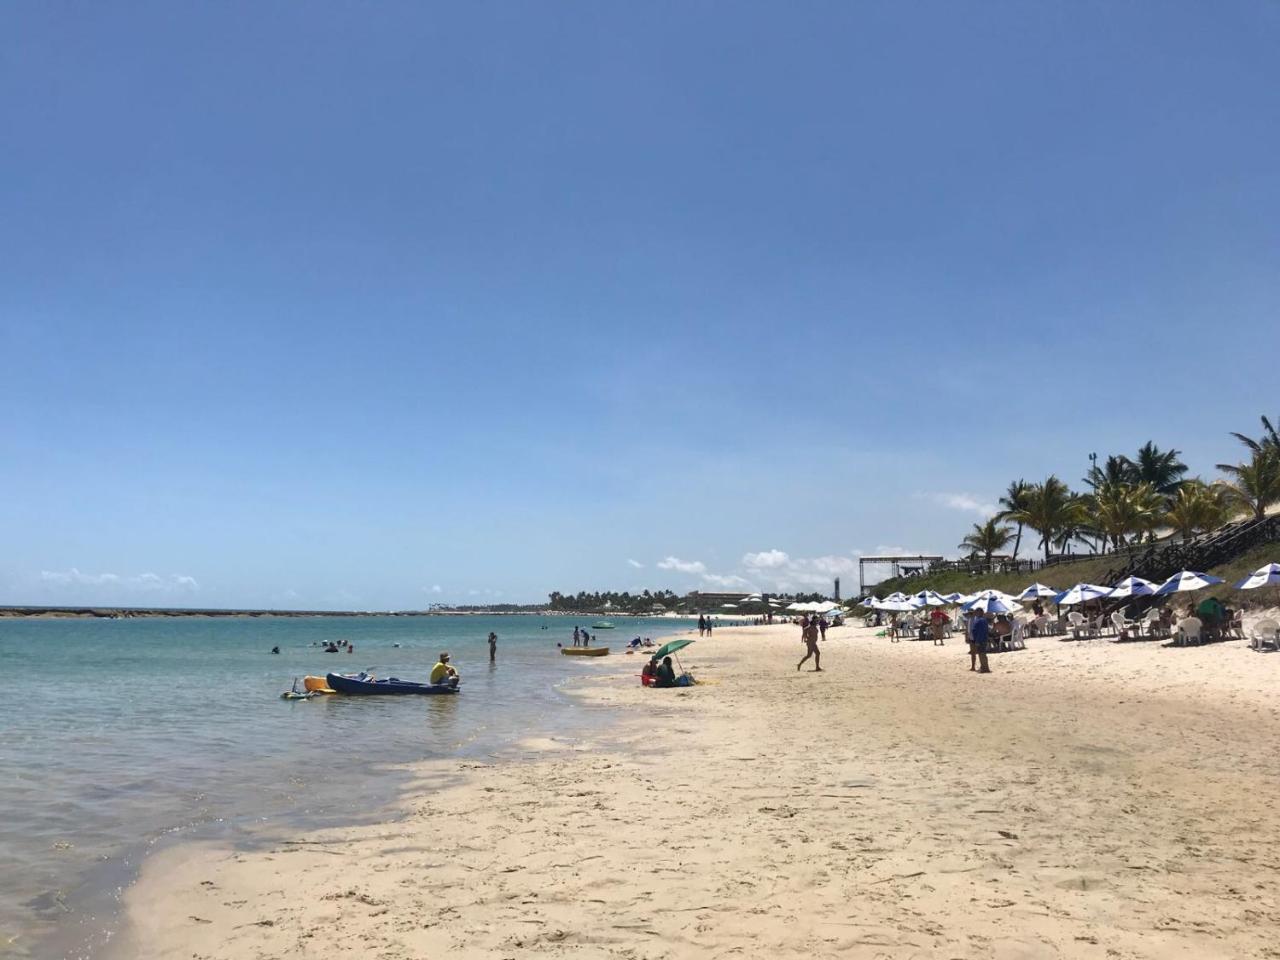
x=837 y=596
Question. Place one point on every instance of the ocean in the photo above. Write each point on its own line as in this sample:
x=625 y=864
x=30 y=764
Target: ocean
x=118 y=735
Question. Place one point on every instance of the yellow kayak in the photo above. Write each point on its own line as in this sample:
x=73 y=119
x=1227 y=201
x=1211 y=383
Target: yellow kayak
x=584 y=651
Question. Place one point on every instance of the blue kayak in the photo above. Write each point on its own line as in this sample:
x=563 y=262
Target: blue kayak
x=363 y=684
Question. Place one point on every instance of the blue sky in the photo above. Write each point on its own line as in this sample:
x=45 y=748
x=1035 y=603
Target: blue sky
x=353 y=305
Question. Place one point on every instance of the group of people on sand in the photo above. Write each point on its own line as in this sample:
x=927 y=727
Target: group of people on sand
x=655 y=674
x=704 y=625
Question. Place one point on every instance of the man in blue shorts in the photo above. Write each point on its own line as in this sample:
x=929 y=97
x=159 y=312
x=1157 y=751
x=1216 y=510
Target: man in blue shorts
x=979 y=630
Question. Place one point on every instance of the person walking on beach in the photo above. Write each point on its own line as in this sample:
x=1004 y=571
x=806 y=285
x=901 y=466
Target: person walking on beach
x=822 y=627
x=809 y=634
x=493 y=647
x=979 y=630
x=702 y=625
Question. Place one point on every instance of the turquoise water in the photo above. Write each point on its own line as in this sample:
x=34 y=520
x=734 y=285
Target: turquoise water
x=117 y=733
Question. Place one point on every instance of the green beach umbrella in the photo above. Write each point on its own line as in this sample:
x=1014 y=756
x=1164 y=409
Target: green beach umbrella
x=669 y=648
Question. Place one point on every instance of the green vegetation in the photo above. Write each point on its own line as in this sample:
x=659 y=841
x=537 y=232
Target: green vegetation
x=649 y=601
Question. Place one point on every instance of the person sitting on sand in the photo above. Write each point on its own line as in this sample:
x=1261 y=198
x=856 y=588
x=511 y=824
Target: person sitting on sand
x=649 y=672
x=666 y=673
x=442 y=672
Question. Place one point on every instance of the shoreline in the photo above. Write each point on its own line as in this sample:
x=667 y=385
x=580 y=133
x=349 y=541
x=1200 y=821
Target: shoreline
x=1086 y=799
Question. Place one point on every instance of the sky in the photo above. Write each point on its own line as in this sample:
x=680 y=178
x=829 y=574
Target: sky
x=371 y=306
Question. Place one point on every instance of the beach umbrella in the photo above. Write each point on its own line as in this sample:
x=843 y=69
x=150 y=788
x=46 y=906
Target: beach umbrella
x=953 y=597
x=667 y=649
x=993 y=595
x=896 y=606
x=1262 y=577
x=869 y=602
x=1038 y=590
x=1132 y=587
x=928 y=598
x=993 y=605
x=1186 y=580
x=896 y=596
x=1080 y=593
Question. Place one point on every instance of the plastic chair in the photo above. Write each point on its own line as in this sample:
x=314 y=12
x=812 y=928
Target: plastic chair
x=1187 y=632
x=1265 y=633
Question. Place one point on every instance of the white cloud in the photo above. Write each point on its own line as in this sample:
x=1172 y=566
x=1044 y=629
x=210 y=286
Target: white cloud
x=725 y=581
x=766 y=559
x=965 y=503
x=142 y=582
x=682 y=566
x=636 y=563
x=434 y=588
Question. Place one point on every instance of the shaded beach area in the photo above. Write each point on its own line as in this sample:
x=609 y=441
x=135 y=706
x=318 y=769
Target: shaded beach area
x=1084 y=800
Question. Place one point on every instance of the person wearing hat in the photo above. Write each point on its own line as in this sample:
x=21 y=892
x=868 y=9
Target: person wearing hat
x=442 y=672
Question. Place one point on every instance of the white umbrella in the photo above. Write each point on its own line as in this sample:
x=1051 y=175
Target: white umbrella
x=954 y=597
x=994 y=594
x=869 y=602
x=1080 y=593
x=1132 y=587
x=798 y=606
x=1186 y=580
x=1038 y=590
x=896 y=596
x=1262 y=577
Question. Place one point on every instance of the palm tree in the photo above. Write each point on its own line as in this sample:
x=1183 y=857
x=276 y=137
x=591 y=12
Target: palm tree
x=1013 y=502
x=987 y=538
x=1197 y=507
x=1160 y=468
x=1123 y=510
x=1270 y=437
x=1116 y=469
x=1254 y=486
x=1051 y=510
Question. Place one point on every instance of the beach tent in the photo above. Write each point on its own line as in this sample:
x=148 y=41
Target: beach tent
x=1038 y=590
x=1132 y=587
x=1081 y=593
x=1262 y=577
x=1186 y=580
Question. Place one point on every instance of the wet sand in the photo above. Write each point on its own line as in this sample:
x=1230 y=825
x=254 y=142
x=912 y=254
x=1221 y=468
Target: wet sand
x=1084 y=800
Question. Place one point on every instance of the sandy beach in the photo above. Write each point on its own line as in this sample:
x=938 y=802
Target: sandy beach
x=1087 y=799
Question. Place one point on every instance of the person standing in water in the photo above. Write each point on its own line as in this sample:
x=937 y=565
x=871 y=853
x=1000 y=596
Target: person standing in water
x=493 y=647
x=577 y=636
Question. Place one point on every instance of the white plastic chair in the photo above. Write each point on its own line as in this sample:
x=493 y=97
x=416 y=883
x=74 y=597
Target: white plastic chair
x=1076 y=622
x=1187 y=632
x=1265 y=633
x=1017 y=639
x=1150 y=621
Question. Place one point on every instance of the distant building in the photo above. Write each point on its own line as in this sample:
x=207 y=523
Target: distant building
x=836 y=595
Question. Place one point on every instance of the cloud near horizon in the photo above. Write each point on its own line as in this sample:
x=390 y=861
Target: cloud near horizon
x=635 y=563
x=682 y=566
x=142 y=582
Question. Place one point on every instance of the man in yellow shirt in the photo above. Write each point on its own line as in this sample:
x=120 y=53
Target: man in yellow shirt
x=442 y=672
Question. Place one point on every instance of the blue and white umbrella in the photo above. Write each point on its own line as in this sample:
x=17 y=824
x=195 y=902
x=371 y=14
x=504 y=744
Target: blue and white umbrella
x=953 y=597
x=870 y=602
x=1185 y=581
x=1081 y=593
x=992 y=605
x=1267 y=576
x=1038 y=590
x=928 y=598
x=1132 y=587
